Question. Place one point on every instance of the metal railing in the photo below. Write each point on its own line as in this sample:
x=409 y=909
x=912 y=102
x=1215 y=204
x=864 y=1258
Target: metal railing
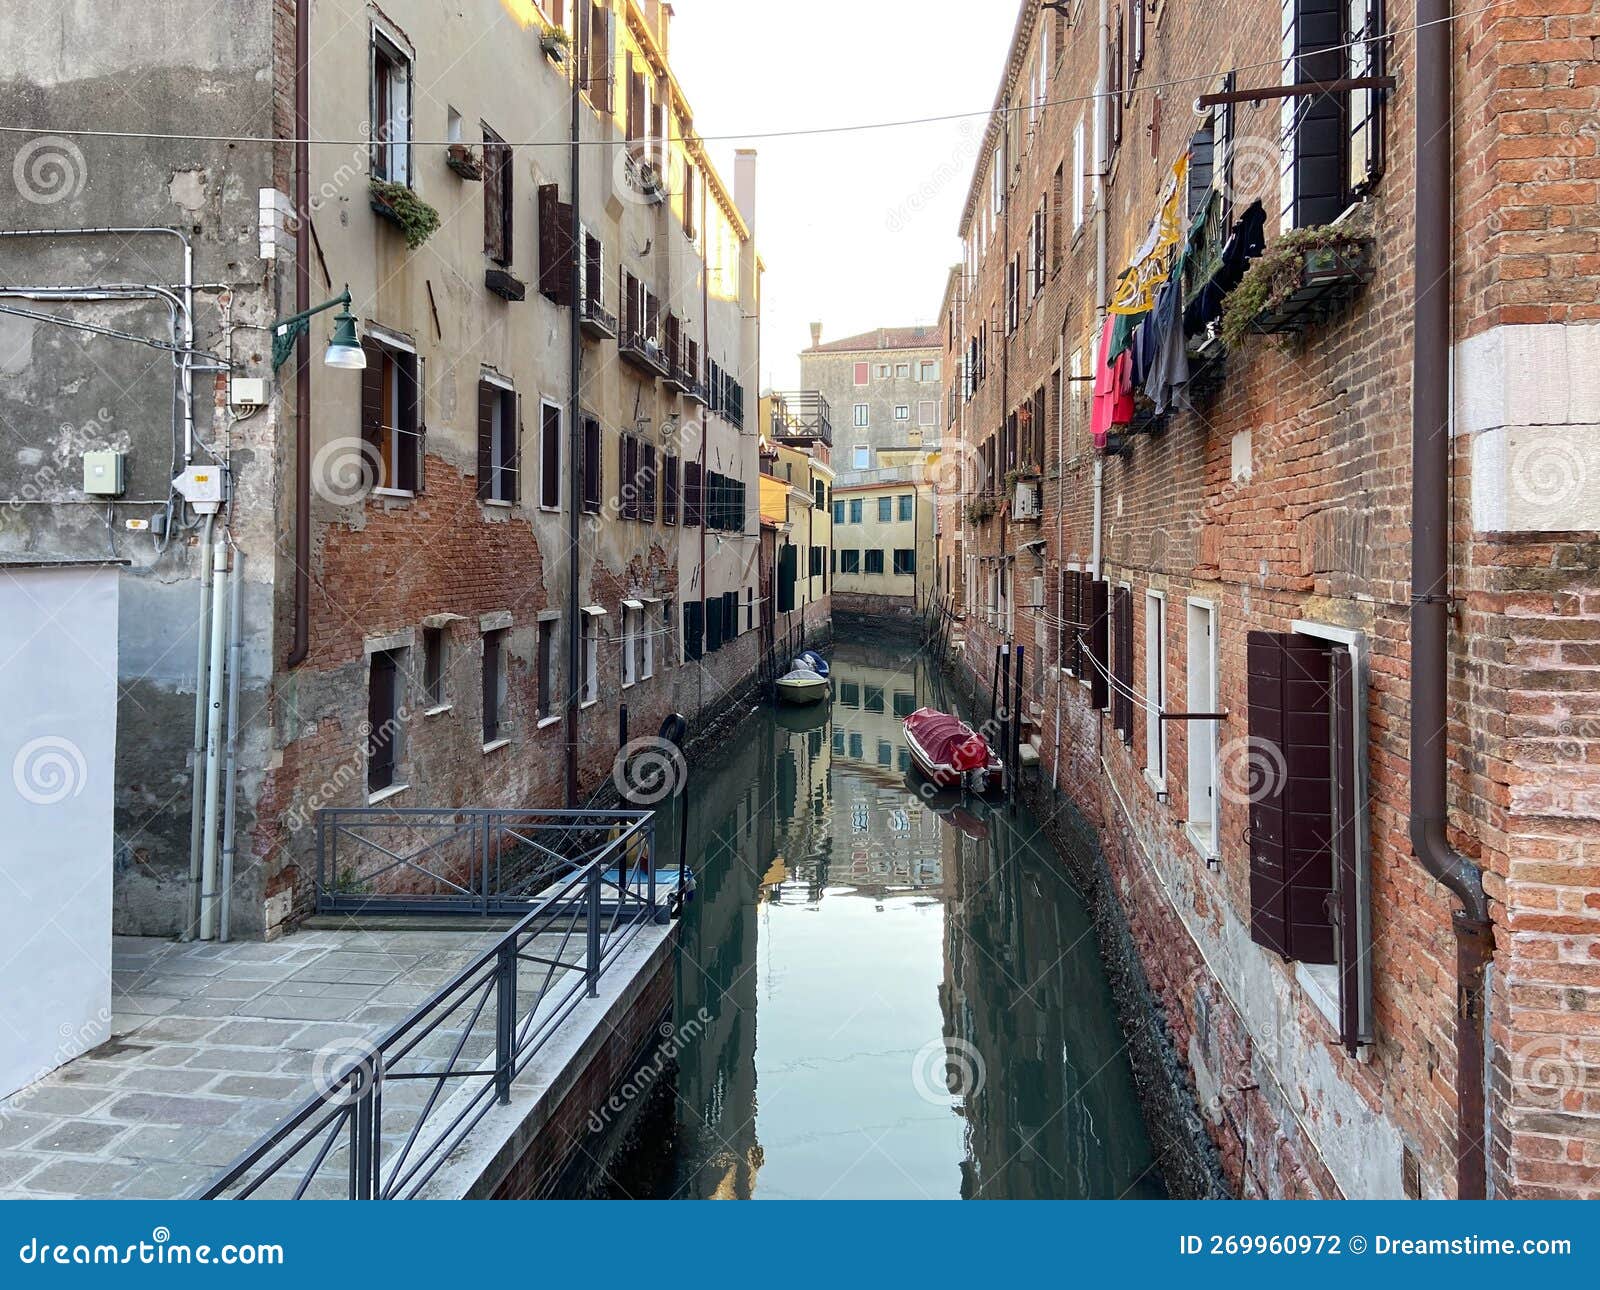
x=386 y=1123
x=472 y=861
x=802 y=414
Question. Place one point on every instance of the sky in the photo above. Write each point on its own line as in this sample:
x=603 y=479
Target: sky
x=857 y=230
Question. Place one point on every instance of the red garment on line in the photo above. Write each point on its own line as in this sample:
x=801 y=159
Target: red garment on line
x=1113 y=388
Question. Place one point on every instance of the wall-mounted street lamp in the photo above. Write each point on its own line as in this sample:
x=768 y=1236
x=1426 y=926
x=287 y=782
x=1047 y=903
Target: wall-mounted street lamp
x=344 y=349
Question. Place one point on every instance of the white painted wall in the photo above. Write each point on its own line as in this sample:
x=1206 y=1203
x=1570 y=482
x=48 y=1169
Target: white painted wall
x=58 y=727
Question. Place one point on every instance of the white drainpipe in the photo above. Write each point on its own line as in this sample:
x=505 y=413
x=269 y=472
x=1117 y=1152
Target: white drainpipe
x=213 y=751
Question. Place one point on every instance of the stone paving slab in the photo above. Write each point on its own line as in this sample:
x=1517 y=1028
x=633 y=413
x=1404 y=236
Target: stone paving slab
x=212 y=1046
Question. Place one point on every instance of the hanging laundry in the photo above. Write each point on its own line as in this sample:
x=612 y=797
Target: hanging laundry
x=1246 y=241
x=1113 y=389
x=1169 y=361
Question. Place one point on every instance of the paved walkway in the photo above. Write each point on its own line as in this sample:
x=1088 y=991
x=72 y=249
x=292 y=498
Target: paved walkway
x=212 y=1045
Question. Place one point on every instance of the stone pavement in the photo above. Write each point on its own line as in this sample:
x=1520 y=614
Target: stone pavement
x=212 y=1045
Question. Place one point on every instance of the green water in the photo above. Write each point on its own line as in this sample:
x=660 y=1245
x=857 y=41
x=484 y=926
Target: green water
x=877 y=998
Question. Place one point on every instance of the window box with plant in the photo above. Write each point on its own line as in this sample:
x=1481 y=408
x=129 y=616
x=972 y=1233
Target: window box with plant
x=1300 y=281
x=463 y=159
x=556 y=44
x=981 y=509
x=398 y=204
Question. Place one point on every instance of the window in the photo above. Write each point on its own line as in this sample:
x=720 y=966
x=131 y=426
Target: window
x=494 y=686
x=819 y=494
x=907 y=506
x=693 y=495
x=383 y=719
x=1202 y=735
x=1155 y=687
x=885 y=753
x=497 y=443
x=855 y=511
x=556 y=251
x=693 y=629
x=391 y=414
x=905 y=703
x=873 y=699
x=874 y=561
x=688 y=200
x=838 y=512
x=550 y=439
x=547 y=668
x=902 y=371
x=863 y=373
x=862 y=459
x=1013 y=291
x=905 y=562
x=632 y=619
x=592 y=464
x=928 y=370
x=849 y=694
x=817 y=555
x=1331 y=144
x=647 y=645
x=849 y=561
x=589 y=656
x=927 y=412
x=855 y=745
x=390 y=103
x=883 y=371
x=498 y=198
x=885 y=510
x=863 y=415
x=597 y=53
x=902 y=412
x=1058 y=207
x=433 y=648
x=1098 y=641
x=669 y=489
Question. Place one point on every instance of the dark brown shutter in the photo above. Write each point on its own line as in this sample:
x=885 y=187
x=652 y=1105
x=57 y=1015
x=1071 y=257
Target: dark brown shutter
x=491 y=687
x=593 y=464
x=494 y=228
x=486 y=398
x=1350 y=912
x=549 y=244
x=647 y=469
x=669 y=490
x=1288 y=774
x=630 y=477
x=1122 y=663
x=372 y=395
x=380 y=722
x=691 y=494
x=1099 y=629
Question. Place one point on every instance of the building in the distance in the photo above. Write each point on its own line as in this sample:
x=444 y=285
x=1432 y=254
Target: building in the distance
x=883 y=539
x=883 y=387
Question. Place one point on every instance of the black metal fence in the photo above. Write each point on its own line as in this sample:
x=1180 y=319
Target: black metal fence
x=477 y=861
x=386 y=1118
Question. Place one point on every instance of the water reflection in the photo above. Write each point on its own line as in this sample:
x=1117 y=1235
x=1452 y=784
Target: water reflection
x=902 y=998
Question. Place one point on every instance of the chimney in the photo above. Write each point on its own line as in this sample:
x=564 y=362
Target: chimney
x=816 y=334
x=744 y=184
x=664 y=29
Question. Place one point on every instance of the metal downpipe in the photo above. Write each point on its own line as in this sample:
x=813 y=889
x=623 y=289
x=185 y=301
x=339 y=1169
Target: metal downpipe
x=1430 y=587
x=202 y=665
x=301 y=644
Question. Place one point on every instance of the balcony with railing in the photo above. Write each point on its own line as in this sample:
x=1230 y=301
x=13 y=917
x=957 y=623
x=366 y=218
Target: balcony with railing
x=801 y=417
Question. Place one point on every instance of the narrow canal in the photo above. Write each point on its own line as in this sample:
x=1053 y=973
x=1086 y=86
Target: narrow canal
x=878 y=996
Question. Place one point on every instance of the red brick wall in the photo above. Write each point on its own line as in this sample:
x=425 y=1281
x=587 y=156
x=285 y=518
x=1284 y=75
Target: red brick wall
x=1321 y=531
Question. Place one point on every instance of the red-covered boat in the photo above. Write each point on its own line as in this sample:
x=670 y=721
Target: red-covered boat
x=950 y=753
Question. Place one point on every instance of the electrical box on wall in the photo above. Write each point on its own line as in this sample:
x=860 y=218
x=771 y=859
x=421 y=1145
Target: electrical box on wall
x=247 y=392
x=203 y=487
x=104 y=473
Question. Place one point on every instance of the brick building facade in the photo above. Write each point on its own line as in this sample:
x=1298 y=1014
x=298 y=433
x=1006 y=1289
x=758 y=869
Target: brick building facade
x=1251 y=554
x=504 y=576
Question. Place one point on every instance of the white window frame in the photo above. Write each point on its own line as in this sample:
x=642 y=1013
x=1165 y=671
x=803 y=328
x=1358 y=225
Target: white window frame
x=927 y=412
x=902 y=412
x=861 y=416
x=398 y=150
x=1079 y=204
x=862 y=458
x=1202 y=736
x=496 y=426
x=632 y=612
x=1155 y=688
x=589 y=655
x=550 y=618
x=647 y=640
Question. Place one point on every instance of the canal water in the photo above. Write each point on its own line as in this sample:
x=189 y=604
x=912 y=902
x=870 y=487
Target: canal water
x=878 y=995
